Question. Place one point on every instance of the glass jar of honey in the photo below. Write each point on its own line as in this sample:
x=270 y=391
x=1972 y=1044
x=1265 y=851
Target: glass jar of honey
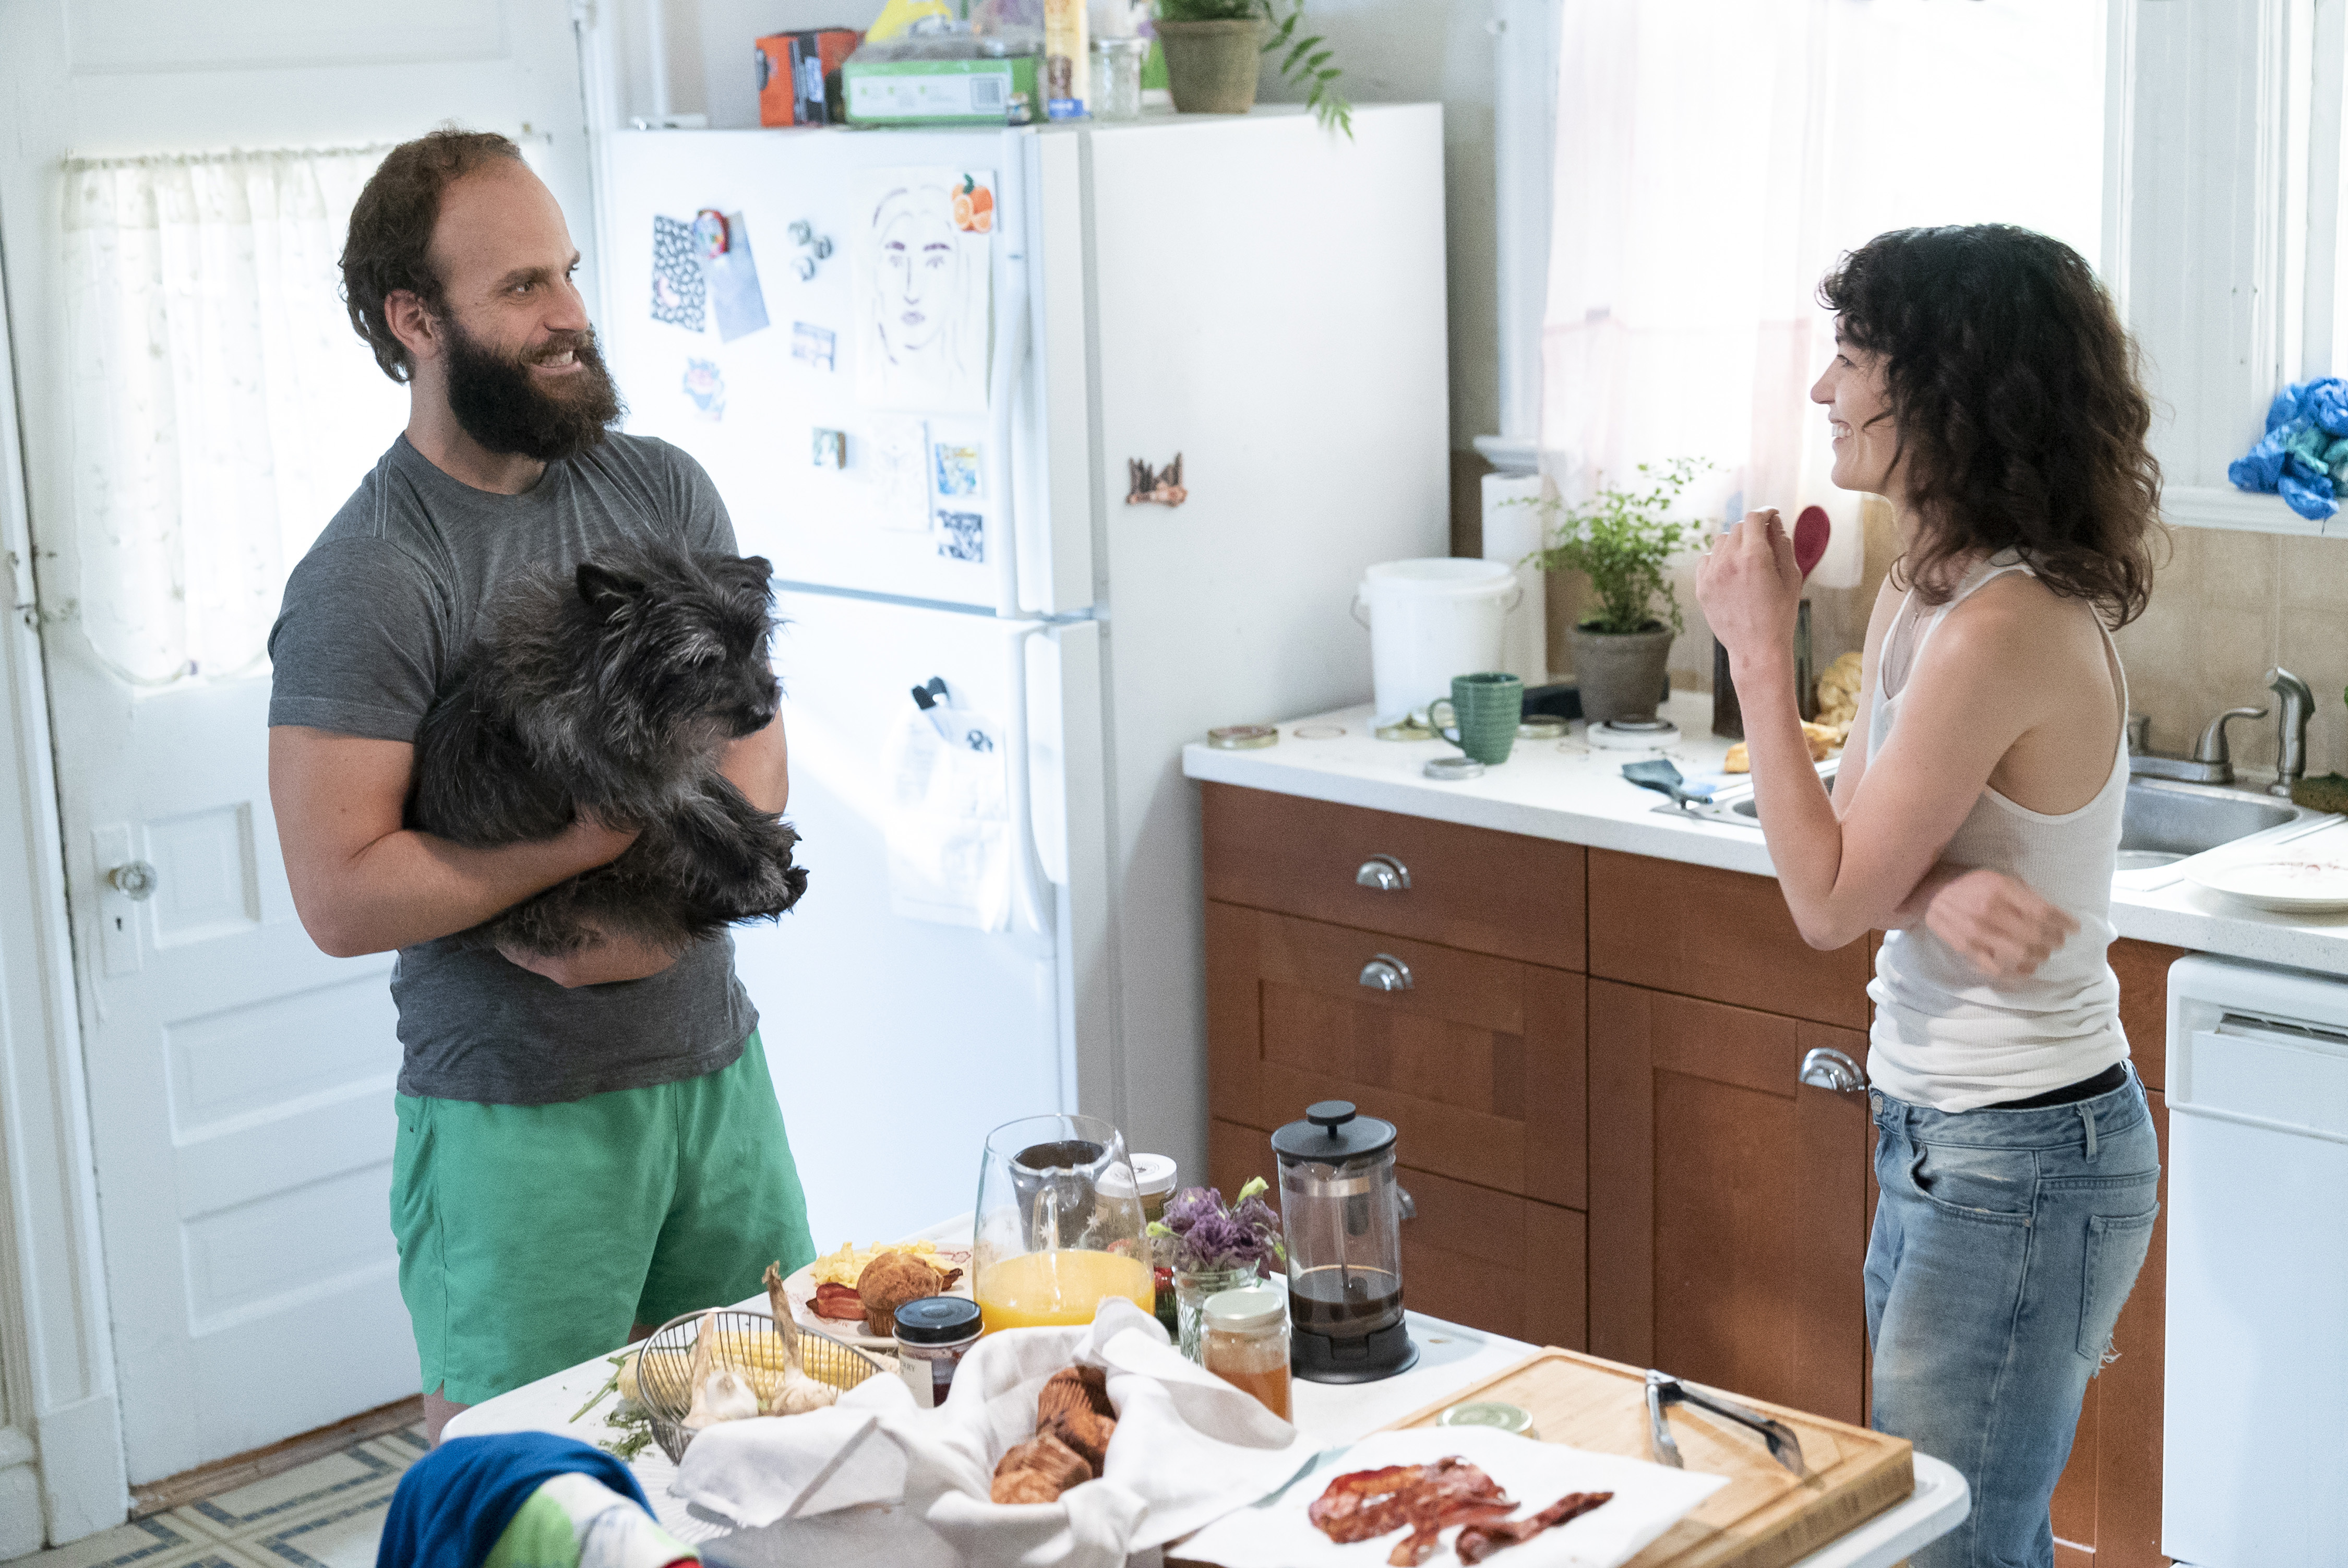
x=1247 y=1342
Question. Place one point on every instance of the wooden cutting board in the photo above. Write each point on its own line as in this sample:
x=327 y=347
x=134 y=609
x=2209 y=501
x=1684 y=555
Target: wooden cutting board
x=1766 y=1517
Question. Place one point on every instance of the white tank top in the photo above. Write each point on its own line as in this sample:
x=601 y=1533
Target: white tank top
x=1944 y=1035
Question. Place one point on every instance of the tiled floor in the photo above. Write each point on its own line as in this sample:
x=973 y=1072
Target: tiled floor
x=325 y=1514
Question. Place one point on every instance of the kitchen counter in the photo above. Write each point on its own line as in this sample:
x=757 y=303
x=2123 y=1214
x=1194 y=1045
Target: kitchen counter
x=1569 y=791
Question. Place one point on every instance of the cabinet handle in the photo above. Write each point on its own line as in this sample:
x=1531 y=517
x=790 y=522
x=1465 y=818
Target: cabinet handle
x=1826 y=1068
x=1385 y=972
x=1385 y=874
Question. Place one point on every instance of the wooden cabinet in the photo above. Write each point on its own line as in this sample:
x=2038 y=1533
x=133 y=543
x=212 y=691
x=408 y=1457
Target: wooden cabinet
x=1593 y=1073
x=2108 y=1505
x=1728 y=1203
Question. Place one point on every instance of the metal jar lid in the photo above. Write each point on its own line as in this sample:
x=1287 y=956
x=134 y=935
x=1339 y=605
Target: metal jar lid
x=937 y=1320
x=1242 y=736
x=1453 y=769
x=1251 y=1306
x=1333 y=1130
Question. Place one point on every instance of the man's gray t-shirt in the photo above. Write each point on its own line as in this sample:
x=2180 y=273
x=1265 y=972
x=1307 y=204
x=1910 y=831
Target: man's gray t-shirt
x=374 y=618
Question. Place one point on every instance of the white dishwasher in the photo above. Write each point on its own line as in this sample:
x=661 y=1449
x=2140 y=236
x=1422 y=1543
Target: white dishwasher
x=2255 y=1464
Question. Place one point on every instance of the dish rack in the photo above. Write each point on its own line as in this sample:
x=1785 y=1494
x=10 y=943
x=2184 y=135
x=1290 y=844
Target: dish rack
x=747 y=1341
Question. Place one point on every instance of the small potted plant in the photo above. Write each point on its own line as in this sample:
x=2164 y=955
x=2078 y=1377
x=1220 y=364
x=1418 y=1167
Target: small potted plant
x=1215 y=1246
x=1214 y=50
x=1622 y=539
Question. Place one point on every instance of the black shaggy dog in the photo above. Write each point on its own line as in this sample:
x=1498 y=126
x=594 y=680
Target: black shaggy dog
x=614 y=690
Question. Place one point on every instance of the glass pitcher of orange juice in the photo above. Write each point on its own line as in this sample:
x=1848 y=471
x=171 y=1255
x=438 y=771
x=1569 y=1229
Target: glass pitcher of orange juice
x=1059 y=1226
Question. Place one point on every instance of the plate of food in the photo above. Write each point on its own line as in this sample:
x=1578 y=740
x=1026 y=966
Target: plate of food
x=849 y=1293
x=2298 y=878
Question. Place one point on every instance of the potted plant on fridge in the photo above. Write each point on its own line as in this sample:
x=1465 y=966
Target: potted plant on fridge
x=1622 y=539
x=1214 y=50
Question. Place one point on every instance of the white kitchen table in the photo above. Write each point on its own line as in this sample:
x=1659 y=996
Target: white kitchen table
x=1451 y=1358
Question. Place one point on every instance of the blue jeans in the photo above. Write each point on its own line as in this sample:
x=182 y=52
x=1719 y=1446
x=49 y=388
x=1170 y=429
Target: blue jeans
x=2005 y=1242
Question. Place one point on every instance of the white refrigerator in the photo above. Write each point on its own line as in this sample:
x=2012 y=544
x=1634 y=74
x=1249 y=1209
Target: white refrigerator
x=968 y=339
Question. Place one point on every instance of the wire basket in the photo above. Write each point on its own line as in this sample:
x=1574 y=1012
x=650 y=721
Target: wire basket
x=746 y=1342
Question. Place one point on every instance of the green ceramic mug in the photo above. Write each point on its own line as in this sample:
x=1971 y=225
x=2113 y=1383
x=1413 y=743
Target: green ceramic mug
x=1485 y=712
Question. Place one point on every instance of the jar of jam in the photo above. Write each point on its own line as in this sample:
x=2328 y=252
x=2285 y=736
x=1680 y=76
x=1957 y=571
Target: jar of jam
x=933 y=1334
x=1247 y=1342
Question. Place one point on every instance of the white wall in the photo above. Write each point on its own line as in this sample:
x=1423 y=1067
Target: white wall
x=1412 y=51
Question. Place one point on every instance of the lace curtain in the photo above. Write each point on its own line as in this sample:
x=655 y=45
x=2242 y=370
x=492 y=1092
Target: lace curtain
x=221 y=407
x=1714 y=157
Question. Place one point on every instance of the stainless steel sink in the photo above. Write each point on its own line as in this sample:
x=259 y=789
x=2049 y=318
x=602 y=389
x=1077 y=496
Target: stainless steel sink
x=2161 y=825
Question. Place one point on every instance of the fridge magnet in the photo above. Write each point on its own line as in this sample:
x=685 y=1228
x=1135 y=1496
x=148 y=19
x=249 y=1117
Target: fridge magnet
x=965 y=536
x=733 y=285
x=704 y=385
x=896 y=452
x=813 y=346
x=1156 y=487
x=814 y=249
x=678 y=287
x=830 y=448
x=709 y=233
x=923 y=286
x=957 y=468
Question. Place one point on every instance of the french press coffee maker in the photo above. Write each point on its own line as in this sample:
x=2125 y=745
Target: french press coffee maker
x=1341 y=1212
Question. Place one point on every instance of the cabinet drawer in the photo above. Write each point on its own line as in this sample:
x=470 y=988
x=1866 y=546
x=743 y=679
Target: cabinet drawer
x=1478 y=1063
x=1489 y=1260
x=1724 y=935
x=1501 y=894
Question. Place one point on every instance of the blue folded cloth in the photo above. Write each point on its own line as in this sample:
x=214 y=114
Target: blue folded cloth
x=455 y=1502
x=2304 y=456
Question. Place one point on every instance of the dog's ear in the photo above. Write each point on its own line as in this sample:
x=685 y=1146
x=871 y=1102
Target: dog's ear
x=606 y=592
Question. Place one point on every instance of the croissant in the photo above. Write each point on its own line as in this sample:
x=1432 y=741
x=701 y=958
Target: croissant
x=1038 y=1470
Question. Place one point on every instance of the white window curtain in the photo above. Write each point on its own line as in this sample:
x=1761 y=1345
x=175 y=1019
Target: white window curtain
x=221 y=407
x=1714 y=157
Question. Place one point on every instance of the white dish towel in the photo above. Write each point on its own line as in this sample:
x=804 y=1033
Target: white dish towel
x=1189 y=1448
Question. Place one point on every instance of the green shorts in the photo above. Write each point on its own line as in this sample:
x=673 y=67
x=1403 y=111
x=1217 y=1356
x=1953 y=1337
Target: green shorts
x=531 y=1237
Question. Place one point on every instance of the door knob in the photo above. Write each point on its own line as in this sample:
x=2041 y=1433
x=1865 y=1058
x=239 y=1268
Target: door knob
x=1386 y=973
x=1385 y=874
x=134 y=880
x=1826 y=1068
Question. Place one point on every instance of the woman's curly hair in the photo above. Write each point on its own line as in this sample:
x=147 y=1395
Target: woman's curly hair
x=391 y=230
x=2021 y=420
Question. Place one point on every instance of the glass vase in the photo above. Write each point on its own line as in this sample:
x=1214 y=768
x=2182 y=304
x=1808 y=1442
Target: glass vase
x=1191 y=1289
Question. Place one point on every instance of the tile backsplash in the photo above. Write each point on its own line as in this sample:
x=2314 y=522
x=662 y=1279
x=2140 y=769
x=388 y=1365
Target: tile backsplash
x=2226 y=608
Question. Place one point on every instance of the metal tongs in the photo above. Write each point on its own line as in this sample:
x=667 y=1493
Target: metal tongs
x=1662 y=1389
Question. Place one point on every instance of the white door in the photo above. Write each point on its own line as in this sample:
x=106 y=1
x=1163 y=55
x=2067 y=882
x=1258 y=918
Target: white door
x=240 y=1082
x=897 y=1043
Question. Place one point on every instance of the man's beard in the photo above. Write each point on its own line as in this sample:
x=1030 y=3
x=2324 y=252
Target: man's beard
x=501 y=404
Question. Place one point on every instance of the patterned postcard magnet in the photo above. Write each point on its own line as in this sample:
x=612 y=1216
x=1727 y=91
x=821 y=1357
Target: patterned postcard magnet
x=679 y=290
x=814 y=346
x=965 y=536
x=958 y=468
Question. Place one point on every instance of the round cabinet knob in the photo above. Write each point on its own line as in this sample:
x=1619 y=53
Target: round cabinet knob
x=1385 y=874
x=1826 y=1068
x=1386 y=973
x=134 y=881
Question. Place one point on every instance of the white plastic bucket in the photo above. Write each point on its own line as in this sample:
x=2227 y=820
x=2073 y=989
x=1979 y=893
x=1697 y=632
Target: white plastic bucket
x=1430 y=620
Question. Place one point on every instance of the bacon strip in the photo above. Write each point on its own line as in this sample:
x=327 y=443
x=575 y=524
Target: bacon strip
x=1479 y=1539
x=1365 y=1504
x=839 y=1302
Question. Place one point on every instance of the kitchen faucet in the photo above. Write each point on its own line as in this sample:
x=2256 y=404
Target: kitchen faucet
x=2290 y=751
x=2211 y=763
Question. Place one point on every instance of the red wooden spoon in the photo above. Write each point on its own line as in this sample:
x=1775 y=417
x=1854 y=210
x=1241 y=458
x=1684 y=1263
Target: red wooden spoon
x=1811 y=531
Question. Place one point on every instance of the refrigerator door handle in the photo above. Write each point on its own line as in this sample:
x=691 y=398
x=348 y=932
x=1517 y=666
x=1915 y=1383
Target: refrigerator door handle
x=1034 y=905
x=1009 y=371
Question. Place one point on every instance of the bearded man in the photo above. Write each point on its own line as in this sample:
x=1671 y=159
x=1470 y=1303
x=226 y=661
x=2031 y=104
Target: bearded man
x=587 y=1146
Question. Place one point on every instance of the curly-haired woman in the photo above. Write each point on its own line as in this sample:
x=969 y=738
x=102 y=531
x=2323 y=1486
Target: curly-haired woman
x=1982 y=384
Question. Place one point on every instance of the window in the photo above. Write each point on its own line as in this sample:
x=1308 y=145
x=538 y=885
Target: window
x=1714 y=157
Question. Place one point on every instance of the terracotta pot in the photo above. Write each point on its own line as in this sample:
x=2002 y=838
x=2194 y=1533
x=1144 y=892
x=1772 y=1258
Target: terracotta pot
x=1621 y=675
x=1211 y=66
